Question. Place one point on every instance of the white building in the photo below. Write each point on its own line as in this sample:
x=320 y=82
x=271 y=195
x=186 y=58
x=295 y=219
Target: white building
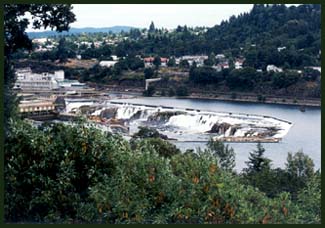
x=114 y=57
x=220 y=56
x=71 y=84
x=239 y=63
x=107 y=63
x=273 y=68
x=36 y=106
x=39 y=40
x=315 y=68
x=281 y=48
x=198 y=59
x=27 y=80
x=218 y=68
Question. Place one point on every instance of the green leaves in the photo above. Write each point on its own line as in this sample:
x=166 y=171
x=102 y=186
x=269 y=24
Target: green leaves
x=77 y=174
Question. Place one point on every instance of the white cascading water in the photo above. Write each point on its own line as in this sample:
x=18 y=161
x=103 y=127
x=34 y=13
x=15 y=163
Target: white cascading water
x=200 y=122
x=193 y=123
x=197 y=122
x=128 y=111
x=72 y=106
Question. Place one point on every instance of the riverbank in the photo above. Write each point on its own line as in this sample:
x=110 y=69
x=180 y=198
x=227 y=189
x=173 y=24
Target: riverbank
x=231 y=97
x=267 y=100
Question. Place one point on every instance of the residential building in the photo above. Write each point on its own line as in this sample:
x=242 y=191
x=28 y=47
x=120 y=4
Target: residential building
x=281 y=48
x=315 y=68
x=148 y=61
x=239 y=63
x=220 y=56
x=273 y=68
x=107 y=63
x=198 y=59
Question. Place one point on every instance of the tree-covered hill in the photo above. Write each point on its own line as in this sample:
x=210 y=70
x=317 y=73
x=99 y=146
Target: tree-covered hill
x=268 y=34
x=268 y=27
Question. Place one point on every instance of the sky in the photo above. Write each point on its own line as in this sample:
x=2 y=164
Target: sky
x=163 y=15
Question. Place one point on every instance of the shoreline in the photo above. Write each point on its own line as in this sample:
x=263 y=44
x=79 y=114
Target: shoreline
x=269 y=100
x=247 y=100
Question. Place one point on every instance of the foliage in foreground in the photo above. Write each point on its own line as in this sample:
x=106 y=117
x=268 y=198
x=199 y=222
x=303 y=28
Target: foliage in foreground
x=74 y=174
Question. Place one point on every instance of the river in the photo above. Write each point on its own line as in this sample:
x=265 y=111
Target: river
x=305 y=133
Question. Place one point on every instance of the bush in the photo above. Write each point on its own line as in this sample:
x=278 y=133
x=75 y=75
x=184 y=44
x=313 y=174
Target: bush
x=150 y=91
x=148 y=73
x=171 y=92
x=181 y=91
x=77 y=174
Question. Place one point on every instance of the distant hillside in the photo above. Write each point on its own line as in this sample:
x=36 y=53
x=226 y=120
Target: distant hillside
x=271 y=26
x=284 y=36
x=114 y=29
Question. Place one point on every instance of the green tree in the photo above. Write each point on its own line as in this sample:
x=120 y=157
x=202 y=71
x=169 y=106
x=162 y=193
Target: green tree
x=150 y=91
x=152 y=28
x=54 y=16
x=309 y=200
x=171 y=62
x=181 y=91
x=58 y=173
x=224 y=154
x=146 y=132
x=244 y=79
x=135 y=33
x=162 y=147
x=300 y=169
x=251 y=59
x=171 y=92
x=211 y=60
x=156 y=62
x=257 y=162
x=148 y=73
x=62 y=53
x=184 y=64
x=204 y=75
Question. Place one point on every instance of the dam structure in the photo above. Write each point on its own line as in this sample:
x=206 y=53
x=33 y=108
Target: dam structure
x=187 y=124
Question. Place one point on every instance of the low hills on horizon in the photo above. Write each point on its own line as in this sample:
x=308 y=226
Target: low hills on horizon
x=112 y=29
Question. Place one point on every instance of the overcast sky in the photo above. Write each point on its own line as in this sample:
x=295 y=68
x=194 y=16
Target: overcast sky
x=163 y=15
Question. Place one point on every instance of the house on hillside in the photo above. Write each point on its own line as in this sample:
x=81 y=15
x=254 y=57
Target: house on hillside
x=114 y=57
x=220 y=56
x=270 y=68
x=239 y=63
x=315 y=68
x=281 y=48
x=148 y=61
x=198 y=59
x=163 y=62
x=224 y=65
x=107 y=63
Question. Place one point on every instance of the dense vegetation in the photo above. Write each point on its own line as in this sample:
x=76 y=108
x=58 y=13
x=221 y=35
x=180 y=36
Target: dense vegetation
x=255 y=35
x=77 y=174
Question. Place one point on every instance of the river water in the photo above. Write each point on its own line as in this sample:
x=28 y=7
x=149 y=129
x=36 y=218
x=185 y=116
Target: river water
x=305 y=133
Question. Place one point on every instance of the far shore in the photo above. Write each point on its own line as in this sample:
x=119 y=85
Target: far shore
x=307 y=102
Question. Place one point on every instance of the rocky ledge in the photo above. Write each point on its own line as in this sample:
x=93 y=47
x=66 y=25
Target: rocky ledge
x=250 y=139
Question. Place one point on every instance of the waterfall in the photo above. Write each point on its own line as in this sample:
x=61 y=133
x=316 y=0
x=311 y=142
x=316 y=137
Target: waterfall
x=71 y=106
x=129 y=111
x=191 y=121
